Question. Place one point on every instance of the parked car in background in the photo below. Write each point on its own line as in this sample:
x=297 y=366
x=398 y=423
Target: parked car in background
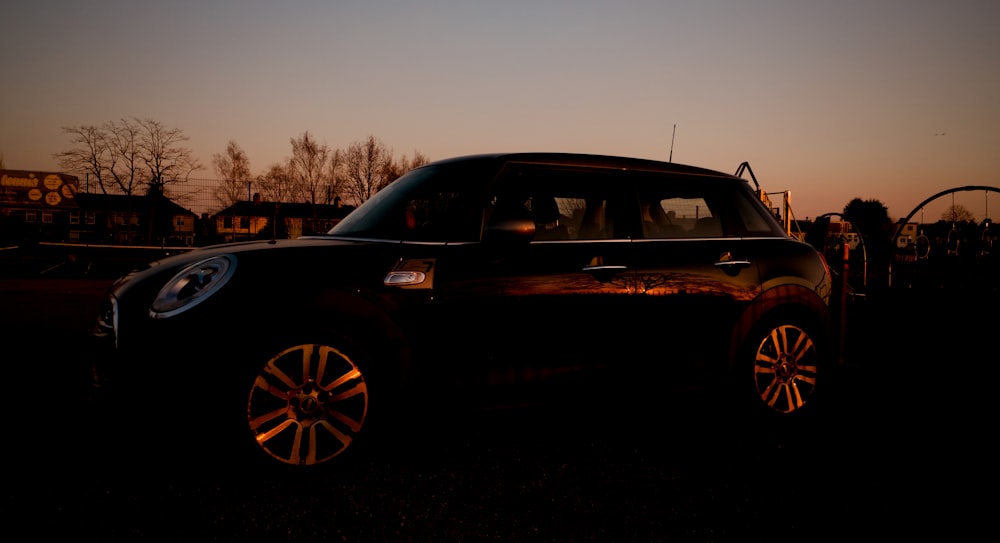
x=472 y=277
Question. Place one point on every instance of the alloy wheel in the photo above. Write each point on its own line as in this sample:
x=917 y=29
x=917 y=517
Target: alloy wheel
x=785 y=369
x=307 y=404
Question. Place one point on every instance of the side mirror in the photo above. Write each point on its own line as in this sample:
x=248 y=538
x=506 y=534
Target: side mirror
x=509 y=231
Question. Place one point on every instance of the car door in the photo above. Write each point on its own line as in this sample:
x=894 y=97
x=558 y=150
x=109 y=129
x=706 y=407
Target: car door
x=694 y=272
x=543 y=307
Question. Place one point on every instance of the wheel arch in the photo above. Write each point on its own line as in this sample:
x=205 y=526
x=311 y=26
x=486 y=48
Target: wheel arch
x=337 y=317
x=793 y=301
x=366 y=325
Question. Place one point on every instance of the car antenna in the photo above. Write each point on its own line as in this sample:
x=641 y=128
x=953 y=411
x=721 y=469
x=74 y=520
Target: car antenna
x=672 y=136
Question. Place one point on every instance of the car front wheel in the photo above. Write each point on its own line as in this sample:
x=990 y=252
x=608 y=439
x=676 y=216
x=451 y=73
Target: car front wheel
x=307 y=404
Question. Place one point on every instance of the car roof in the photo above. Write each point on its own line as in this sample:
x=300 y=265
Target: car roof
x=588 y=160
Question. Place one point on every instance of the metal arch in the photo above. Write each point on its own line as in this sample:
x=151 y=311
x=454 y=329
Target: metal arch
x=905 y=221
x=968 y=188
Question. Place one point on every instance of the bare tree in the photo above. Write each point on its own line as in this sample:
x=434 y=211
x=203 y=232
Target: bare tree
x=124 y=165
x=165 y=159
x=336 y=180
x=275 y=186
x=308 y=168
x=89 y=155
x=419 y=159
x=957 y=213
x=110 y=155
x=367 y=168
x=403 y=165
x=124 y=155
x=166 y=162
x=233 y=168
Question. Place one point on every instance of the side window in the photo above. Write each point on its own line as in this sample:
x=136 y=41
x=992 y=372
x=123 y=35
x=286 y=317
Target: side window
x=431 y=204
x=679 y=207
x=556 y=217
x=565 y=204
x=679 y=217
x=437 y=216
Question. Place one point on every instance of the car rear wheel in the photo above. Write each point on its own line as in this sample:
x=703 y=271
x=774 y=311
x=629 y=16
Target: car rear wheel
x=307 y=404
x=786 y=367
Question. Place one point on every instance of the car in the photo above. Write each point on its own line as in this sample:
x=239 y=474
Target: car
x=468 y=279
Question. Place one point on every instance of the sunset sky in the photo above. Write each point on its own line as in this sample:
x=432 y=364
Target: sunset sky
x=891 y=100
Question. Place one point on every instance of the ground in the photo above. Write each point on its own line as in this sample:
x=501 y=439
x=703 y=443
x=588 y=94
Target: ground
x=899 y=452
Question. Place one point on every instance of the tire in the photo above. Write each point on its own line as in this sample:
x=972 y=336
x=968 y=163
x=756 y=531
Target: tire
x=291 y=398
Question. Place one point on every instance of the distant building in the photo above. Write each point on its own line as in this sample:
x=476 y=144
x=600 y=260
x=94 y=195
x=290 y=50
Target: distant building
x=257 y=219
x=907 y=235
x=118 y=219
x=36 y=205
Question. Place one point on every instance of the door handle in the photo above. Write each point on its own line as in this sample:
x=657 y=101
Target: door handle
x=733 y=264
x=597 y=269
x=727 y=264
x=604 y=273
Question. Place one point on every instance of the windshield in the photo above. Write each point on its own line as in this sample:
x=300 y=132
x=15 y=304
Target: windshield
x=435 y=203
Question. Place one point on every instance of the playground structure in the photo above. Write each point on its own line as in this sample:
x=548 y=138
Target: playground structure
x=955 y=255
x=942 y=254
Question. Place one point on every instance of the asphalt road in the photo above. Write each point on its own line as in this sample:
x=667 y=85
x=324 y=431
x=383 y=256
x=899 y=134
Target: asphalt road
x=904 y=449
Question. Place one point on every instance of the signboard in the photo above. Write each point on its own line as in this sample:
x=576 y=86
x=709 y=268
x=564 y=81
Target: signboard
x=47 y=190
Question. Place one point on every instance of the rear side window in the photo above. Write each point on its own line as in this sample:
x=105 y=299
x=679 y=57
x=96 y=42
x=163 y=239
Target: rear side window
x=679 y=217
x=692 y=206
x=675 y=206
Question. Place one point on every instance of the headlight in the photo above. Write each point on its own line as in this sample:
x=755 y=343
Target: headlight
x=192 y=285
x=107 y=319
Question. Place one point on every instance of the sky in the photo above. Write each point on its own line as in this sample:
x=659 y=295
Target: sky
x=828 y=101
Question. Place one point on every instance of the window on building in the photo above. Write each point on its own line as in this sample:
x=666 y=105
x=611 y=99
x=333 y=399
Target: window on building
x=30 y=216
x=90 y=217
x=74 y=217
x=46 y=217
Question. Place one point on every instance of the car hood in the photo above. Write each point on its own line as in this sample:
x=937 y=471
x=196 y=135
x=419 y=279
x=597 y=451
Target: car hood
x=272 y=253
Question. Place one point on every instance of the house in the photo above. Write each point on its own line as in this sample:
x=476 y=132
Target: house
x=256 y=219
x=38 y=206
x=908 y=235
x=119 y=219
